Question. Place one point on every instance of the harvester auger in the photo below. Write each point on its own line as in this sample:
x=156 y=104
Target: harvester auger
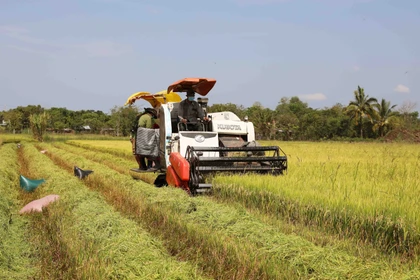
x=224 y=143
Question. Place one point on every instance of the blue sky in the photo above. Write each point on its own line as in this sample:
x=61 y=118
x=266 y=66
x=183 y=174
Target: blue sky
x=93 y=54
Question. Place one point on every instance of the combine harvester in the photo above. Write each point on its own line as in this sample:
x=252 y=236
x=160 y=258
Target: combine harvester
x=224 y=143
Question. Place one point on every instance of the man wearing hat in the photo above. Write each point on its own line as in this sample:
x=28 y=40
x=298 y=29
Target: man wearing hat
x=146 y=144
x=147 y=119
x=191 y=112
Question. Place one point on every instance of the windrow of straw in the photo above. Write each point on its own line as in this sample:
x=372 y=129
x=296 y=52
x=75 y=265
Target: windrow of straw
x=15 y=250
x=121 y=163
x=87 y=239
x=224 y=240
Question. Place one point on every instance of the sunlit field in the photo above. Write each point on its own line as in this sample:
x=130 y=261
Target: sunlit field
x=370 y=178
x=366 y=190
x=343 y=210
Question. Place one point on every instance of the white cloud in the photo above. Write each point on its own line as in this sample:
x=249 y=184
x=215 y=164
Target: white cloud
x=314 y=96
x=20 y=34
x=37 y=45
x=30 y=50
x=402 y=89
x=11 y=30
x=356 y=68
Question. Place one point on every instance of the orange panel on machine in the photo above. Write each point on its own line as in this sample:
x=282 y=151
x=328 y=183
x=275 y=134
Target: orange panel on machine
x=171 y=178
x=180 y=165
x=202 y=86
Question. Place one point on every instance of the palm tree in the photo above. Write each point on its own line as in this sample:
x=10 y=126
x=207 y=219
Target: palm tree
x=361 y=107
x=383 y=116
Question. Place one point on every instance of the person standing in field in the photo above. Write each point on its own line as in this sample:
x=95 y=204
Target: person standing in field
x=140 y=160
x=146 y=141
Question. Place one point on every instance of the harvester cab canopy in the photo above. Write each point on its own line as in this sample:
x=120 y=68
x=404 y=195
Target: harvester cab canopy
x=161 y=97
x=202 y=86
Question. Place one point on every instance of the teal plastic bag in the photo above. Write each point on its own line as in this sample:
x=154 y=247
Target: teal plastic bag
x=28 y=184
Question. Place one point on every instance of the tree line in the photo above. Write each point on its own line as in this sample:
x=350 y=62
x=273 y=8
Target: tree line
x=292 y=119
x=60 y=120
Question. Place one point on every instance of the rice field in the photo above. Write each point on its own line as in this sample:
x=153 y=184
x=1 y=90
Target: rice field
x=367 y=190
x=343 y=211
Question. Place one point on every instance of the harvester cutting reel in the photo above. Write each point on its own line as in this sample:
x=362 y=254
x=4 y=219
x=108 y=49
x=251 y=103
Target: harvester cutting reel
x=210 y=160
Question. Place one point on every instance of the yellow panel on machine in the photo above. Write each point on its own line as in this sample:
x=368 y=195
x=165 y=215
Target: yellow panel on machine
x=161 y=97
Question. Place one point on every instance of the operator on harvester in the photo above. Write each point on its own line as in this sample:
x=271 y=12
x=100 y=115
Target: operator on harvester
x=191 y=113
x=145 y=140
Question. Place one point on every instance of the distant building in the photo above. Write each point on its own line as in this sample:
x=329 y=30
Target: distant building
x=108 y=131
